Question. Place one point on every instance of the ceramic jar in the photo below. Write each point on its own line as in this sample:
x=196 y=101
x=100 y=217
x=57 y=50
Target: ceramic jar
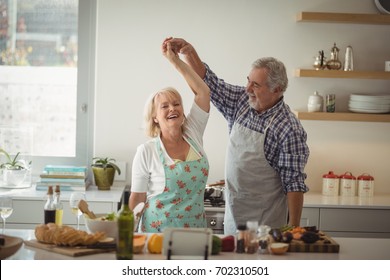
x=330 y=184
x=347 y=184
x=365 y=185
x=315 y=103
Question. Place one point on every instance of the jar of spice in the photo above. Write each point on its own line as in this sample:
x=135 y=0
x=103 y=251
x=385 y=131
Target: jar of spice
x=251 y=237
x=240 y=239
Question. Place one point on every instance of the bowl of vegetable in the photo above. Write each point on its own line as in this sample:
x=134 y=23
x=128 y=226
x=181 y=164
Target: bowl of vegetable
x=106 y=223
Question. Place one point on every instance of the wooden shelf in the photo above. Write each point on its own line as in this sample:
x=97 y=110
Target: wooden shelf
x=342 y=116
x=343 y=18
x=380 y=75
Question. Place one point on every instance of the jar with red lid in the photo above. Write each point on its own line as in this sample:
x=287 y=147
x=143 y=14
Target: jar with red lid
x=347 y=184
x=365 y=185
x=330 y=184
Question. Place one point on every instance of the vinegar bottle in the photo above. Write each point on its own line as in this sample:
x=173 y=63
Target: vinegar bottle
x=58 y=206
x=49 y=210
x=124 y=247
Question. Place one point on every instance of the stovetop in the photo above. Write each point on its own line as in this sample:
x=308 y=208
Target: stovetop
x=214 y=202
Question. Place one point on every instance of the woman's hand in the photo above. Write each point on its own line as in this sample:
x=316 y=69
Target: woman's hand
x=169 y=51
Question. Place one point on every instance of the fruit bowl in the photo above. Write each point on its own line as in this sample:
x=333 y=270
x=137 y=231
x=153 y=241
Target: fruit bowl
x=110 y=228
x=278 y=248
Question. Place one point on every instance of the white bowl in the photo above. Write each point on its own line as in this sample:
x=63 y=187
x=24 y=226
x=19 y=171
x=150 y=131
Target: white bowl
x=110 y=228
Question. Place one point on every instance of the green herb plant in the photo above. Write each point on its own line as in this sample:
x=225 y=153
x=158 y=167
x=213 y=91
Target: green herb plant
x=14 y=163
x=105 y=163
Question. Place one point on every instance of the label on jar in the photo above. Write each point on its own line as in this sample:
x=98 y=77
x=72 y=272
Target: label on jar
x=347 y=187
x=366 y=188
x=330 y=186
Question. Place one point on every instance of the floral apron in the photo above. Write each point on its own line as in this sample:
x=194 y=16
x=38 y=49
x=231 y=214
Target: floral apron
x=181 y=204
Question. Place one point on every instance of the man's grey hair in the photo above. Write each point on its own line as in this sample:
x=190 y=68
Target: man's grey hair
x=277 y=76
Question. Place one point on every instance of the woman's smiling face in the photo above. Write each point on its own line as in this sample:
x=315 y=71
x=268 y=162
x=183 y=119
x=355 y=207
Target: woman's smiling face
x=169 y=110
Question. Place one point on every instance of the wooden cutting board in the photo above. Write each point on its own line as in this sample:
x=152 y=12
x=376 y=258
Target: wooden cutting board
x=324 y=245
x=69 y=251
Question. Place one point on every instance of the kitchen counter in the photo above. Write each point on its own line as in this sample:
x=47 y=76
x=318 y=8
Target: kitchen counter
x=318 y=200
x=350 y=249
x=28 y=204
x=348 y=216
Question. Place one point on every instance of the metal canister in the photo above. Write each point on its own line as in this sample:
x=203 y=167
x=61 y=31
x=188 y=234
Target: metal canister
x=365 y=185
x=348 y=63
x=347 y=184
x=330 y=103
x=330 y=184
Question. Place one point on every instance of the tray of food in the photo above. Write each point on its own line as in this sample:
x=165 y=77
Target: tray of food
x=305 y=239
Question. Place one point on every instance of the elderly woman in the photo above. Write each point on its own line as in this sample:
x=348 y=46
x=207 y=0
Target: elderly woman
x=170 y=171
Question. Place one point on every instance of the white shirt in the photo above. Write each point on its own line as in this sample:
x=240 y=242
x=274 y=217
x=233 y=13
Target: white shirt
x=147 y=171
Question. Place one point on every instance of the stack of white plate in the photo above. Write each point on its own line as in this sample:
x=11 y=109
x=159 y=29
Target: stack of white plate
x=369 y=103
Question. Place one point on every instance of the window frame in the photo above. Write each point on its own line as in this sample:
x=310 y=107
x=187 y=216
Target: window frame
x=87 y=23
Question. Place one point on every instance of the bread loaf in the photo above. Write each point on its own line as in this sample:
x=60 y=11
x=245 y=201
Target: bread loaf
x=66 y=236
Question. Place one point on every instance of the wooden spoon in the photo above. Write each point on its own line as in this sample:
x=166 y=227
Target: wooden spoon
x=83 y=206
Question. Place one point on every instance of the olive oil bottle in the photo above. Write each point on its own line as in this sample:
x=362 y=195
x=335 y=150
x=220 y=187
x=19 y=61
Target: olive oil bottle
x=124 y=247
x=58 y=206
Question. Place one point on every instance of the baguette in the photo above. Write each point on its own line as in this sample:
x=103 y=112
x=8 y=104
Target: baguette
x=66 y=235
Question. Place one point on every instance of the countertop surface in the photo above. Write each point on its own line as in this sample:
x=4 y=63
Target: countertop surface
x=350 y=249
x=92 y=194
x=318 y=200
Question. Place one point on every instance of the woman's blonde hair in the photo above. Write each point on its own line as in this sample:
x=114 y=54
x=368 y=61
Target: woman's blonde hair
x=153 y=128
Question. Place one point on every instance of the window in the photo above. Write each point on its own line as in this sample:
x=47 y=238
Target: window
x=47 y=79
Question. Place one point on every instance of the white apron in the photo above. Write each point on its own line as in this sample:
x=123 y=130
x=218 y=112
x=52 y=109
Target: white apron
x=254 y=188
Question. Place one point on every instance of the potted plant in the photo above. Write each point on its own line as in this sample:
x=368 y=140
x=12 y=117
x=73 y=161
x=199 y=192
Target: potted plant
x=14 y=170
x=104 y=172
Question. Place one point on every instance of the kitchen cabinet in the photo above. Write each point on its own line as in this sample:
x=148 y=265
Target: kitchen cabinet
x=348 y=216
x=349 y=18
x=28 y=206
x=310 y=217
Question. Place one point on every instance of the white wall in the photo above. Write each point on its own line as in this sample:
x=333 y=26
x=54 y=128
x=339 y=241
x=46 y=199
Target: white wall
x=229 y=35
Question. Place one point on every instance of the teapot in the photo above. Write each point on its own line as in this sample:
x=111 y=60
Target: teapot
x=320 y=61
x=334 y=63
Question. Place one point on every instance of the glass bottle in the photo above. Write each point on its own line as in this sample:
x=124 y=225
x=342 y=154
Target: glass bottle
x=264 y=239
x=58 y=206
x=240 y=243
x=49 y=210
x=251 y=237
x=124 y=247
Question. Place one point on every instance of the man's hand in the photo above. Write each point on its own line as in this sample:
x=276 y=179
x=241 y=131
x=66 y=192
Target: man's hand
x=179 y=45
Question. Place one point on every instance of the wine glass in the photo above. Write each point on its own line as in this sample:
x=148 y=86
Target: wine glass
x=74 y=200
x=6 y=208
